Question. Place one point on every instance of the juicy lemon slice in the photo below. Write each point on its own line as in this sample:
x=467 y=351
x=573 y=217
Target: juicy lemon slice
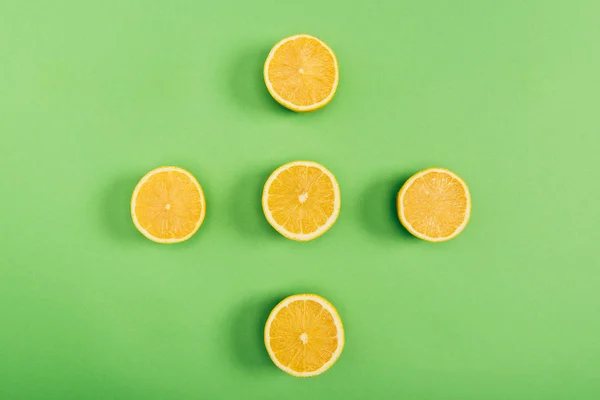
x=304 y=335
x=434 y=205
x=301 y=73
x=301 y=200
x=168 y=205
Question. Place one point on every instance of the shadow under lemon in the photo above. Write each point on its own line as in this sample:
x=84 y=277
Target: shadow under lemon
x=247 y=328
x=246 y=213
x=378 y=210
x=247 y=332
x=247 y=84
x=115 y=210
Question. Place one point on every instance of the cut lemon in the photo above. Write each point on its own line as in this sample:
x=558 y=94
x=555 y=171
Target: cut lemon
x=301 y=73
x=304 y=335
x=434 y=205
x=168 y=205
x=301 y=200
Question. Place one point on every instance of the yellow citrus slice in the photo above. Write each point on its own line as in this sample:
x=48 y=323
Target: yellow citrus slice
x=434 y=205
x=301 y=73
x=168 y=205
x=304 y=335
x=301 y=200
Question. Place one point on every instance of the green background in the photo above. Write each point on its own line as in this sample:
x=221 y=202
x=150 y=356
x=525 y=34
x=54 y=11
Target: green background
x=95 y=94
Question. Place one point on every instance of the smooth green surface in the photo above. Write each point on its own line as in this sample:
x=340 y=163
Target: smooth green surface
x=95 y=94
